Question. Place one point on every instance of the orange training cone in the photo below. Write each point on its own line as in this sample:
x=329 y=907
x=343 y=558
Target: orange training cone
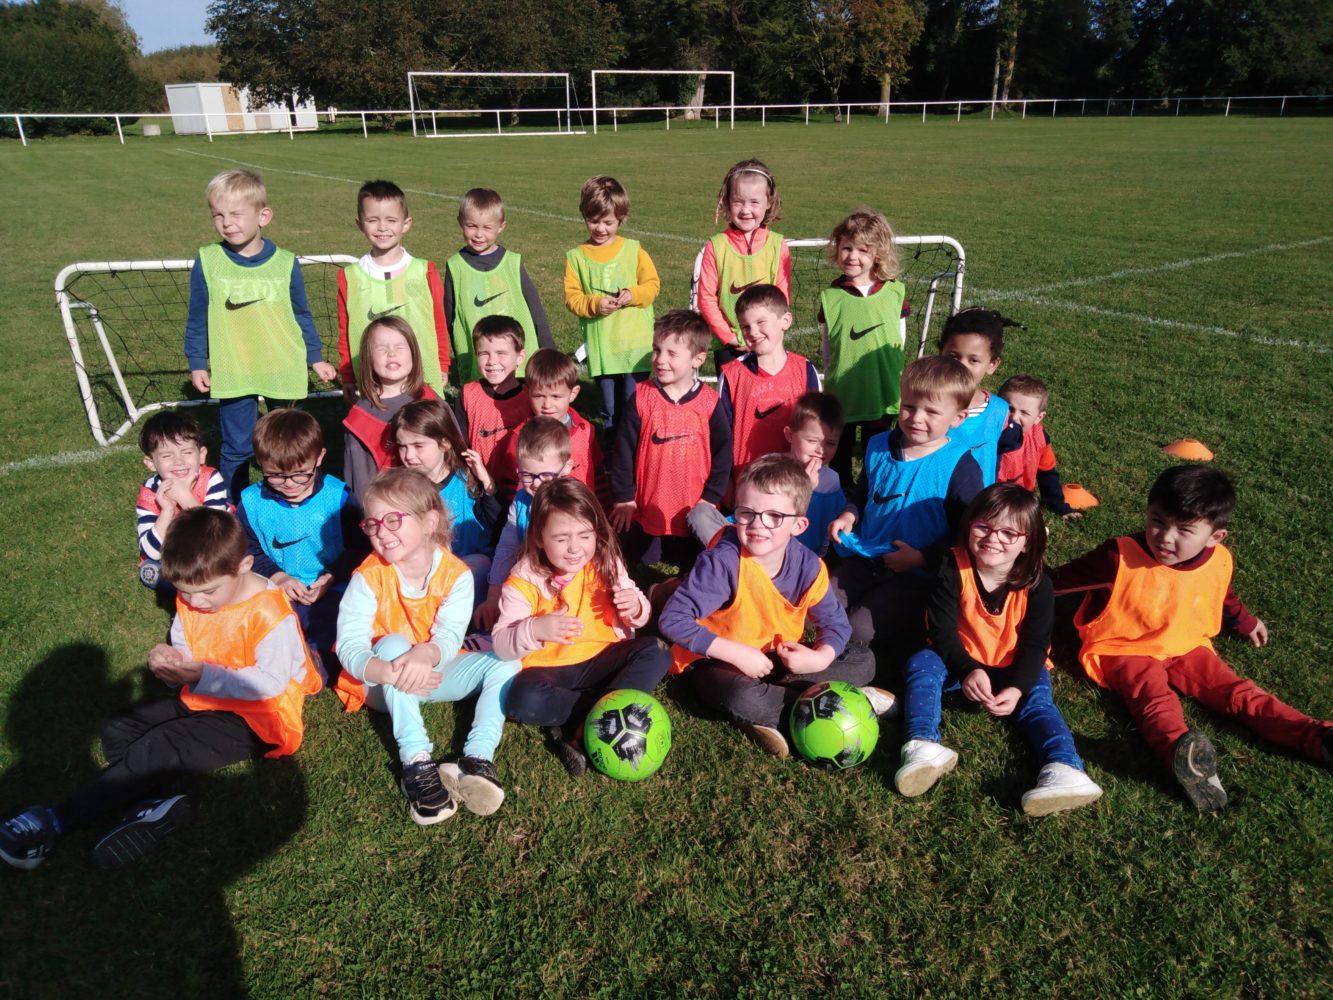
x=1079 y=498
x=1190 y=450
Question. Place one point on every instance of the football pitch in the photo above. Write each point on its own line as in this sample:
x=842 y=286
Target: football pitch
x=1173 y=276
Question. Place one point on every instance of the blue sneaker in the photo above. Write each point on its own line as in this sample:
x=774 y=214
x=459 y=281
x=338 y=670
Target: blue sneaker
x=26 y=839
x=141 y=831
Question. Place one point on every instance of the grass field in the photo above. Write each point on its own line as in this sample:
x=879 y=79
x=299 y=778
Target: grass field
x=1173 y=276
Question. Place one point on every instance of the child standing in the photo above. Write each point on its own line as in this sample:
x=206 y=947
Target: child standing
x=428 y=440
x=389 y=281
x=738 y=619
x=813 y=432
x=400 y=630
x=569 y=610
x=745 y=254
x=485 y=279
x=861 y=320
x=1154 y=602
x=610 y=285
x=241 y=663
x=759 y=388
x=249 y=332
x=672 y=449
x=989 y=621
x=1031 y=462
x=491 y=410
x=173 y=448
x=975 y=338
x=389 y=379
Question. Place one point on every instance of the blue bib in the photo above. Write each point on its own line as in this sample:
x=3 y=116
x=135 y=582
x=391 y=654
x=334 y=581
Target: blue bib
x=305 y=539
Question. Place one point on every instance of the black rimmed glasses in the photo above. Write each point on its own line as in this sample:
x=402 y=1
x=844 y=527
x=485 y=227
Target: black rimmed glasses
x=770 y=519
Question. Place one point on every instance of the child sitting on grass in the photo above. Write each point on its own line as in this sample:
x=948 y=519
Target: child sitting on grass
x=1031 y=461
x=1154 y=602
x=241 y=662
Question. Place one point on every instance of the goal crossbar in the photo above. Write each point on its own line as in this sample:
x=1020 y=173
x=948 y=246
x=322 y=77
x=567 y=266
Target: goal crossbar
x=730 y=75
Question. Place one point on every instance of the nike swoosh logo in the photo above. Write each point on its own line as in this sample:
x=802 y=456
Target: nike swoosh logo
x=881 y=498
x=858 y=334
x=761 y=414
x=233 y=306
x=658 y=439
x=492 y=431
x=737 y=289
x=373 y=317
x=481 y=302
x=282 y=545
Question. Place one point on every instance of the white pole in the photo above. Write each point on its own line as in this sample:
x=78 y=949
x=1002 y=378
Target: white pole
x=1025 y=111
x=1053 y=104
x=667 y=112
x=1283 y=109
x=763 y=116
x=992 y=111
x=807 y=114
x=732 y=77
x=364 y=133
x=18 y=120
x=717 y=117
x=208 y=126
x=848 y=119
x=569 y=119
x=923 y=112
x=434 y=125
x=1177 y=107
x=1084 y=109
x=1228 y=111
x=594 y=106
x=615 y=122
x=498 y=130
x=1131 y=108
x=291 y=122
x=959 y=117
x=119 y=132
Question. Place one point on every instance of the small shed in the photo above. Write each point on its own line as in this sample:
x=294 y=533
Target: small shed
x=220 y=108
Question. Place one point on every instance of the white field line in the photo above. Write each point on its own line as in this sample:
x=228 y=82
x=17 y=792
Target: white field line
x=675 y=237
x=1172 y=265
x=62 y=459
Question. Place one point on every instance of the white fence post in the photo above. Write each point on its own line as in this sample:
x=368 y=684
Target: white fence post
x=1025 y=111
x=763 y=117
x=667 y=112
x=807 y=114
x=1131 y=108
x=119 y=132
x=615 y=121
x=1228 y=111
x=992 y=111
x=18 y=120
x=498 y=129
x=1283 y=109
x=364 y=133
x=1053 y=104
x=959 y=117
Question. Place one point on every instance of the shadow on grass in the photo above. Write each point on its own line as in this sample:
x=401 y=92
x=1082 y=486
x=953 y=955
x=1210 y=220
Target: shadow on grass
x=159 y=928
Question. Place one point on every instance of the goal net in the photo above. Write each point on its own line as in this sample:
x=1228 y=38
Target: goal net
x=125 y=323
x=676 y=97
x=456 y=104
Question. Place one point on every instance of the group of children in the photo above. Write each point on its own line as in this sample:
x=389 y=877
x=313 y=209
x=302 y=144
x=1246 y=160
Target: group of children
x=484 y=549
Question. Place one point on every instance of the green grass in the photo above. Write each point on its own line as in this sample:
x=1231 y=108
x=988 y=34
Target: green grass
x=727 y=874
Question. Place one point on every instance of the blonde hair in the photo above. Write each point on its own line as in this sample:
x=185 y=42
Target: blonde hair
x=602 y=194
x=481 y=200
x=367 y=382
x=757 y=168
x=237 y=183
x=412 y=492
x=939 y=377
x=867 y=226
x=780 y=474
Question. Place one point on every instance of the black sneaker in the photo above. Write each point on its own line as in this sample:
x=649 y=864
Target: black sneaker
x=473 y=782
x=141 y=831
x=26 y=839
x=1194 y=763
x=568 y=752
x=427 y=797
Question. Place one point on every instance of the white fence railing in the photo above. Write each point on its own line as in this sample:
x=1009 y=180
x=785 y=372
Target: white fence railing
x=842 y=111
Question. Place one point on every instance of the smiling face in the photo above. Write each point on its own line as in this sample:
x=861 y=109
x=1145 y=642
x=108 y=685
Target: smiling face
x=179 y=459
x=413 y=538
x=992 y=554
x=673 y=362
x=568 y=542
x=295 y=484
x=1175 y=542
x=749 y=203
x=534 y=473
x=218 y=592
x=763 y=328
x=925 y=419
x=390 y=358
x=857 y=260
x=239 y=222
x=1025 y=409
x=553 y=399
x=973 y=351
x=384 y=222
x=416 y=451
x=497 y=360
x=481 y=229
x=813 y=440
x=768 y=545
x=602 y=230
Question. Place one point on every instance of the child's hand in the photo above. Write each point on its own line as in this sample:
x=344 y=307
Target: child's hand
x=317 y=589
x=166 y=499
x=292 y=587
x=976 y=686
x=1073 y=515
x=903 y=558
x=801 y=659
x=184 y=672
x=1259 y=635
x=163 y=655
x=485 y=615
x=628 y=601
x=813 y=466
x=325 y=371
x=472 y=459
x=416 y=671
x=1005 y=702
x=349 y=393
x=842 y=523
x=622 y=516
x=750 y=661
x=608 y=304
x=199 y=379
x=381 y=671
x=182 y=494
x=624 y=298
x=562 y=629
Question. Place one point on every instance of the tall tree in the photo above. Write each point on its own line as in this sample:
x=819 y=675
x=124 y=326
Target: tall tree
x=886 y=31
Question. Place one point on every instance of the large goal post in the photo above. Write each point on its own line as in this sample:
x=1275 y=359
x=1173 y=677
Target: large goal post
x=491 y=103
x=124 y=322
x=701 y=75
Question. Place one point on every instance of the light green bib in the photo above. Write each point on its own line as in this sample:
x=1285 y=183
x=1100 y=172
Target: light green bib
x=623 y=341
x=737 y=271
x=406 y=296
x=865 y=336
x=477 y=294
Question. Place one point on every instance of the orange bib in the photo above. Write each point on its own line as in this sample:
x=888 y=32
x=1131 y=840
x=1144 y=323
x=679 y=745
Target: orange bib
x=587 y=599
x=1155 y=610
x=229 y=638
x=989 y=639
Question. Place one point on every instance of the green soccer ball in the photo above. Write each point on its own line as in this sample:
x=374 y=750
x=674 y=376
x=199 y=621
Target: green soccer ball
x=627 y=735
x=833 y=725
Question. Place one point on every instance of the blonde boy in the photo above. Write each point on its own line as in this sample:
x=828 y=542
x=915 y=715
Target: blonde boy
x=389 y=281
x=249 y=332
x=491 y=409
x=484 y=279
x=610 y=285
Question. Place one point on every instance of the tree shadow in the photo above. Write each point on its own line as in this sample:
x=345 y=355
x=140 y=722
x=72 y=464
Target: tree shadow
x=158 y=928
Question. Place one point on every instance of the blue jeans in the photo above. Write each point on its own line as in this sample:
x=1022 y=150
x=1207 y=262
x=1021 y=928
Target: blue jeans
x=1036 y=716
x=617 y=391
x=464 y=675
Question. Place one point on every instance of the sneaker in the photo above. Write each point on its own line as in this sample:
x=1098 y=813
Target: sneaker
x=1194 y=763
x=1059 y=787
x=318 y=662
x=766 y=738
x=26 y=839
x=923 y=764
x=141 y=831
x=427 y=797
x=884 y=703
x=568 y=752
x=478 y=642
x=473 y=782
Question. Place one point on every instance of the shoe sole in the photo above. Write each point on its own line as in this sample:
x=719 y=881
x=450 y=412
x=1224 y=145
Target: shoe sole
x=1053 y=802
x=479 y=796
x=427 y=819
x=768 y=740
x=921 y=778
x=25 y=864
x=1193 y=764
x=132 y=841
x=893 y=710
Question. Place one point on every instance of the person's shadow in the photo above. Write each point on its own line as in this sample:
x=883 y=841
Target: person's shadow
x=159 y=928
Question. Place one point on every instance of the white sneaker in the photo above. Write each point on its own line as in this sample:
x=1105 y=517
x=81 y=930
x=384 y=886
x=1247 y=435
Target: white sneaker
x=923 y=764
x=884 y=704
x=1060 y=787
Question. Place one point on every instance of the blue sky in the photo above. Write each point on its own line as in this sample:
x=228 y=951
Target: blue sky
x=165 y=24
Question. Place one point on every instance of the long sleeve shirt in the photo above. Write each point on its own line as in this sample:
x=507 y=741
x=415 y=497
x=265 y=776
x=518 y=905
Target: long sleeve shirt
x=436 y=285
x=706 y=292
x=625 y=449
x=489 y=262
x=643 y=292
x=147 y=510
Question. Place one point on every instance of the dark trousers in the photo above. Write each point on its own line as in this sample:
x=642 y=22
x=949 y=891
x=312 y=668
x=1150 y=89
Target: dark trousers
x=887 y=610
x=154 y=740
x=866 y=429
x=617 y=391
x=553 y=696
x=636 y=545
x=236 y=420
x=767 y=701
